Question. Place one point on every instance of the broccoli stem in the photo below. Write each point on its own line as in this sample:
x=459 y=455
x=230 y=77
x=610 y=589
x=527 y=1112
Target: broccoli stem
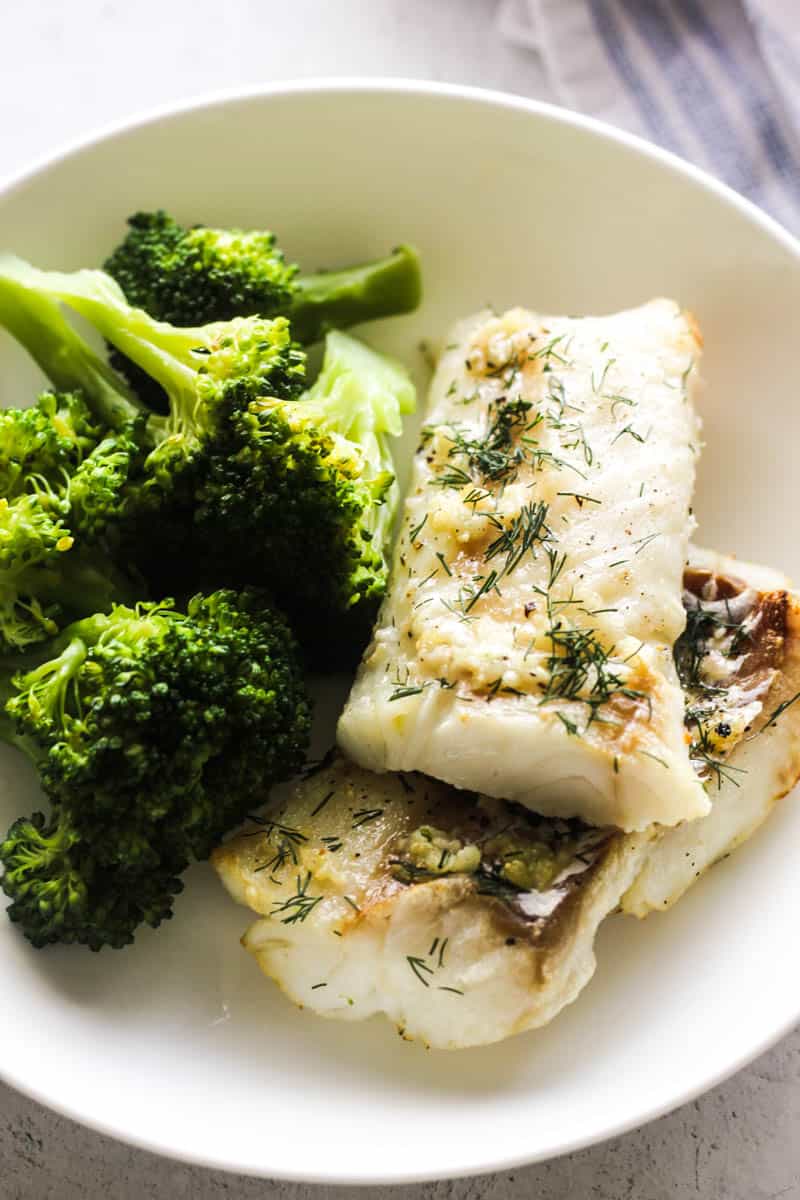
x=338 y=299
x=37 y=322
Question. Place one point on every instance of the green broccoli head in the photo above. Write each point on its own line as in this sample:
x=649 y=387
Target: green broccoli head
x=154 y=730
x=60 y=490
x=197 y=275
x=98 y=487
x=303 y=493
x=60 y=893
x=34 y=541
x=250 y=481
x=47 y=441
x=46 y=578
x=154 y=460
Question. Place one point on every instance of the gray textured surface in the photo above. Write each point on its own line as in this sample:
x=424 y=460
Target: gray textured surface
x=739 y=1142
x=68 y=68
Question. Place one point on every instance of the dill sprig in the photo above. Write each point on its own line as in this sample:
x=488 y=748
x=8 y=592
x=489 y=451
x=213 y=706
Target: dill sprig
x=483 y=584
x=362 y=816
x=520 y=536
x=580 y=667
x=424 y=971
x=298 y=906
x=418 y=966
x=497 y=455
x=702 y=751
x=779 y=711
x=691 y=648
x=287 y=839
x=325 y=799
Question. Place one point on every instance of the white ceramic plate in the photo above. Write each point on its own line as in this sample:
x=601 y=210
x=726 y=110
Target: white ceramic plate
x=178 y=1044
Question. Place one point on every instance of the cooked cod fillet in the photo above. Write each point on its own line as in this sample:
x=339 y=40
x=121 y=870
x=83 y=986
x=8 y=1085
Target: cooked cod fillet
x=466 y=919
x=525 y=647
x=463 y=919
x=739 y=660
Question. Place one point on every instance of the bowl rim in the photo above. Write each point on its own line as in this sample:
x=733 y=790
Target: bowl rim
x=153 y=115
x=400 y=85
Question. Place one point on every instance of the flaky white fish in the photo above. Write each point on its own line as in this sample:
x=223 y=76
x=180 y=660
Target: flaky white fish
x=525 y=647
x=364 y=906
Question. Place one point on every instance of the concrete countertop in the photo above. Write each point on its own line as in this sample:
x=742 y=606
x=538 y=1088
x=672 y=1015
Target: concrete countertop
x=69 y=68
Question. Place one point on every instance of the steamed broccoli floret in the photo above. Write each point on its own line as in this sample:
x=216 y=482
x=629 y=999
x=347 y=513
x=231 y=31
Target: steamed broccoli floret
x=61 y=893
x=154 y=731
x=49 y=440
x=60 y=451
x=45 y=579
x=192 y=276
x=197 y=275
x=315 y=478
x=51 y=570
x=200 y=370
x=248 y=481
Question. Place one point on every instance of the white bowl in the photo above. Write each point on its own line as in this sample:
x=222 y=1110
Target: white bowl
x=179 y=1044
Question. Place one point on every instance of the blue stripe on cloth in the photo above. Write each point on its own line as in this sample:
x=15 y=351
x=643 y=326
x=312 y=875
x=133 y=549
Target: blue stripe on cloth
x=742 y=76
x=693 y=93
x=653 y=115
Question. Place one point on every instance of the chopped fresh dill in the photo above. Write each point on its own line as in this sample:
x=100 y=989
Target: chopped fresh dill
x=617 y=399
x=556 y=563
x=631 y=432
x=641 y=542
x=298 y=906
x=286 y=841
x=414 y=533
x=332 y=844
x=520 y=536
x=322 y=803
x=418 y=966
x=548 y=351
x=655 y=758
x=779 y=711
x=580 y=498
x=598 y=387
x=702 y=751
x=362 y=816
x=496 y=455
x=403 y=692
x=691 y=647
x=578 y=435
x=476 y=496
x=487 y=583
x=570 y=726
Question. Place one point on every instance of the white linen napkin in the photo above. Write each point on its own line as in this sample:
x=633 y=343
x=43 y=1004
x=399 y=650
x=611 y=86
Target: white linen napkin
x=717 y=81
